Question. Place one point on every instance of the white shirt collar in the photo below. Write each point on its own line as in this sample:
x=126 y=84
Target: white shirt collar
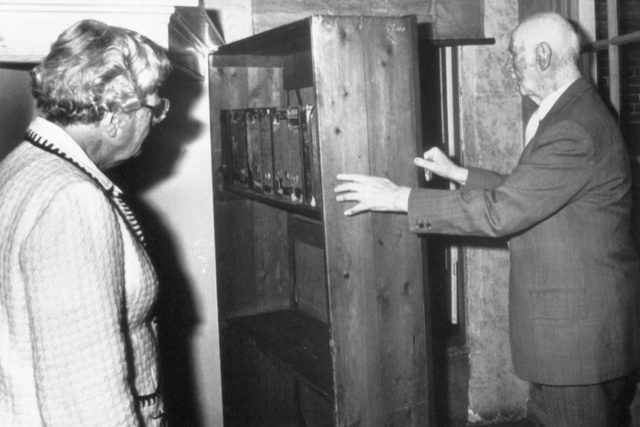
x=60 y=139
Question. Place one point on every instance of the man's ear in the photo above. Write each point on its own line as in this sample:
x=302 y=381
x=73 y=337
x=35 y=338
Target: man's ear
x=543 y=55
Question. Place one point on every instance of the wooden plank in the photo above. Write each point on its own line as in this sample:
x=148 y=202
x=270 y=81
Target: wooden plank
x=450 y=18
x=306 y=231
x=219 y=60
x=234 y=218
x=290 y=37
x=310 y=280
x=259 y=390
x=297 y=341
x=265 y=87
x=271 y=254
x=273 y=281
x=268 y=14
x=393 y=111
x=306 y=242
x=337 y=51
x=298 y=71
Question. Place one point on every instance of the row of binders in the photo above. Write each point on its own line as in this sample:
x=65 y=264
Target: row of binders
x=272 y=151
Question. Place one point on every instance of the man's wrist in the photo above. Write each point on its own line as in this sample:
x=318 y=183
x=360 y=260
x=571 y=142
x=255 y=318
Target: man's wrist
x=462 y=175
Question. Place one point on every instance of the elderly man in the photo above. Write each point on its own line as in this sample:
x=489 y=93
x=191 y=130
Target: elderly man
x=565 y=209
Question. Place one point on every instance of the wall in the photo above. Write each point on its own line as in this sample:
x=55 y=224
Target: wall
x=491 y=122
x=173 y=180
x=27 y=27
x=235 y=18
x=629 y=21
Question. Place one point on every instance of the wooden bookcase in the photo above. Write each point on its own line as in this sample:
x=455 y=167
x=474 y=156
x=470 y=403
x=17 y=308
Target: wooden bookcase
x=322 y=316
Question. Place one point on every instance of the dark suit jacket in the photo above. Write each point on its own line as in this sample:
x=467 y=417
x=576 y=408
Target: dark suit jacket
x=565 y=208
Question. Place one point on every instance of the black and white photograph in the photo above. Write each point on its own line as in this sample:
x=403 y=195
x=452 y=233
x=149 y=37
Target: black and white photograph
x=319 y=213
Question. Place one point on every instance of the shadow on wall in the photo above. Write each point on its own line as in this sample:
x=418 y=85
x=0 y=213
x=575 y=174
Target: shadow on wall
x=177 y=316
x=16 y=106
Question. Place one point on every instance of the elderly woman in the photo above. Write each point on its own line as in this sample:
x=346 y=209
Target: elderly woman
x=77 y=334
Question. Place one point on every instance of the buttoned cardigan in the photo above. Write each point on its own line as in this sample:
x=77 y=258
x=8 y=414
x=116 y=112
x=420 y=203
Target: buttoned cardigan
x=77 y=339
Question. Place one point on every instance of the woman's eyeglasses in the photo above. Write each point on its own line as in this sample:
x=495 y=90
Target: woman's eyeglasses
x=158 y=112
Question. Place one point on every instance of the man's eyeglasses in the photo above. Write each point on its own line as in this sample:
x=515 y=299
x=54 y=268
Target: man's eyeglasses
x=158 y=112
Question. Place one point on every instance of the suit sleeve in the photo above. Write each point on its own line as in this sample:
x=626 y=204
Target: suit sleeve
x=483 y=179
x=72 y=262
x=548 y=177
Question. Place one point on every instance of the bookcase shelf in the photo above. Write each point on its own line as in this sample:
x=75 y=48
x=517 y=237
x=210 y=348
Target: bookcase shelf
x=298 y=341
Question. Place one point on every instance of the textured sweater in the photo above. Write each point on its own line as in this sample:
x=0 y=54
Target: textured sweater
x=77 y=342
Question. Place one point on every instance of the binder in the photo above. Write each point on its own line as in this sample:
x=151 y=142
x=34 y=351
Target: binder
x=266 y=143
x=311 y=156
x=287 y=154
x=239 y=166
x=254 y=150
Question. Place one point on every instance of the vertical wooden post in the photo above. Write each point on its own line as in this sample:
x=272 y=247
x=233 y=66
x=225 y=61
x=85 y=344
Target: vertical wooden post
x=365 y=72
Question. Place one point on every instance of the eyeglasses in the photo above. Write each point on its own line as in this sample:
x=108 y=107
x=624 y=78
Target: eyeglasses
x=158 y=112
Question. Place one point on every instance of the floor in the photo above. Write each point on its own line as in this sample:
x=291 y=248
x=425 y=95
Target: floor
x=522 y=423
x=451 y=400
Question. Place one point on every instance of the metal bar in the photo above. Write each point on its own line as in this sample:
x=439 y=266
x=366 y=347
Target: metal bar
x=614 y=55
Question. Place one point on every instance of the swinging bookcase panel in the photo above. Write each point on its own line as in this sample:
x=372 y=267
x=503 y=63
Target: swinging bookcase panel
x=333 y=304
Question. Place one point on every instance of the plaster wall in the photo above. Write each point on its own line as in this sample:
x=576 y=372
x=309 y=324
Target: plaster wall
x=235 y=18
x=182 y=202
x=491 y=131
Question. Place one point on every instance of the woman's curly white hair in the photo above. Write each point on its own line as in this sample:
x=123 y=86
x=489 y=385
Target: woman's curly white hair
x=94 y=68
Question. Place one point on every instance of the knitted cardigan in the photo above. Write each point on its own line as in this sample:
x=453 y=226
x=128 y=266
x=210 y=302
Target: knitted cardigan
x=77 y=342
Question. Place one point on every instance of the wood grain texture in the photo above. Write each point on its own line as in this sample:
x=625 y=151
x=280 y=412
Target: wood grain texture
x=367 y=92
x=450 y=18
x=343 y=132
x=362 y=75
x=393 y=119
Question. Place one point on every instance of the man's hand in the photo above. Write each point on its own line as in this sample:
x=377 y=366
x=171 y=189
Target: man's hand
x=371 y=193
x=435 y=161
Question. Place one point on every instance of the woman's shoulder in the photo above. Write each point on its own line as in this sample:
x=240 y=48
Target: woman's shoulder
x=30 y=167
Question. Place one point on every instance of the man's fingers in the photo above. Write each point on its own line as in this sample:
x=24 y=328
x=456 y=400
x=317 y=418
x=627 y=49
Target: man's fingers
x=359 y=208
x=427 y=165
x=355 y=177
x=348 y=187
x=349 y=196
x=419 y=161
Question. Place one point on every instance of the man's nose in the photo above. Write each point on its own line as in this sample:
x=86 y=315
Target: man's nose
x=507 y=68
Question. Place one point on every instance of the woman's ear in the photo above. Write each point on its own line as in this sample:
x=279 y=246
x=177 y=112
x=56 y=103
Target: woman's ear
x=111 y=123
